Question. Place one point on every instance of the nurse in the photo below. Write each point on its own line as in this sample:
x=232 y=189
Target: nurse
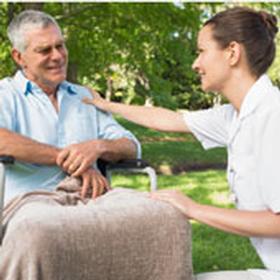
x=236 y=48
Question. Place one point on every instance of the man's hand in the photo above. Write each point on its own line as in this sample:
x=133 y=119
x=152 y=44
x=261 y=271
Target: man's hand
x=93 y=183
x=77 y=158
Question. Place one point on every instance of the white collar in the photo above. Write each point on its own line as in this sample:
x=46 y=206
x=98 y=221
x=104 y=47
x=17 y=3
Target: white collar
x=260 y=90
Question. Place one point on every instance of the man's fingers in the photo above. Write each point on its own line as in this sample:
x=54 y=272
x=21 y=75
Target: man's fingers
x=106 y=184
x=101 y=185
x=62 y=156
x=95 y=181
x=95 y=186
x=85 y=186
x=72 y=162
x=74 y=166
x=81 y=169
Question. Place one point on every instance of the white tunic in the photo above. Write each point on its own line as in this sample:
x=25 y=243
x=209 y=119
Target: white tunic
x=252 y=139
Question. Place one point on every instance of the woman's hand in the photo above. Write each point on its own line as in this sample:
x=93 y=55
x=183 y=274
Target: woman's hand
x=96 y=100
x=177 y=199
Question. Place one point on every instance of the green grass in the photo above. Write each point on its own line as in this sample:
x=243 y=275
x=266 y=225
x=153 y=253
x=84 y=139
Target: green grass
x=212 y=249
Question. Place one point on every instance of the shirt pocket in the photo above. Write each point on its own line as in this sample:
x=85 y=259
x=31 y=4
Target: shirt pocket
x=80 y=126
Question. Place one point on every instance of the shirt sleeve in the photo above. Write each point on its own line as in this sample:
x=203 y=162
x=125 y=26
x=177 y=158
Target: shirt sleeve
x=110 y=129
x=268 y=161
x=210 y=126
x=7 y=106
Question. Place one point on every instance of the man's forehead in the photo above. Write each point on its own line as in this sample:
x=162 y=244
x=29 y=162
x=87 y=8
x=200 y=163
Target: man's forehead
x=44 y=36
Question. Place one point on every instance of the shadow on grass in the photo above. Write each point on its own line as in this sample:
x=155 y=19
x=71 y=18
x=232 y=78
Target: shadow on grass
x=183 y=156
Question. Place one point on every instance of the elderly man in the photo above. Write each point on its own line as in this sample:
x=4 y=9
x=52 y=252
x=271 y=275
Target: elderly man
x=43 y=121
x=55 y=235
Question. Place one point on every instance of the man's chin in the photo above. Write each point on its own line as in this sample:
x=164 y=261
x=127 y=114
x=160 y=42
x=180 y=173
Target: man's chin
x=53 y=83
x=58 y=79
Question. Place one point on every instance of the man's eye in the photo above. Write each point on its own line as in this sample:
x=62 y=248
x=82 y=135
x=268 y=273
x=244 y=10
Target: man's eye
x=45 y=51
x=60 y=46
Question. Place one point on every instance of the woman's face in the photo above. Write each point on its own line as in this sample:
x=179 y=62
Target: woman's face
x=212 y=63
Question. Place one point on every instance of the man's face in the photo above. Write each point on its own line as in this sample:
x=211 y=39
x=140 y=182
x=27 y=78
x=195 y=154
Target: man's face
x=44 y=61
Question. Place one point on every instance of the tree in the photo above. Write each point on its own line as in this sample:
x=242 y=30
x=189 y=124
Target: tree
x=133 y=52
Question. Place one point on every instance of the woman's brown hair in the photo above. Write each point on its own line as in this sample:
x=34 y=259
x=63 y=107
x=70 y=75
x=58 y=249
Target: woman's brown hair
x=254 y=30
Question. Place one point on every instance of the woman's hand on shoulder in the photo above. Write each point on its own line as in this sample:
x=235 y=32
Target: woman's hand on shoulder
x=96 y=100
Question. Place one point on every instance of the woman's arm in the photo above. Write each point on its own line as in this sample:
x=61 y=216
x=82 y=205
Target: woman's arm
x=246 y=223
x=151 y=117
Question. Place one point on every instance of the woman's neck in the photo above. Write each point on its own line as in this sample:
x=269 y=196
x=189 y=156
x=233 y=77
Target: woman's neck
x=237 y=88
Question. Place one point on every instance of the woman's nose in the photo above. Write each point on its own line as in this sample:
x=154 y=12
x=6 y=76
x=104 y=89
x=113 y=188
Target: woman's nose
x=195 y=65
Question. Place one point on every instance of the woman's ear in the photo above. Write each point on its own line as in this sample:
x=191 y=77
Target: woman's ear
x=234 y=53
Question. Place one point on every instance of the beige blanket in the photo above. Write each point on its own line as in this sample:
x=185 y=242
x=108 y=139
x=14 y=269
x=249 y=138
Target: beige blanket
x=122 y=235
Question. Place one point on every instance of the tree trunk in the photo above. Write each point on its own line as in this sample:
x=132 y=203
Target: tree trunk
x=72 y=73
x=109 y=91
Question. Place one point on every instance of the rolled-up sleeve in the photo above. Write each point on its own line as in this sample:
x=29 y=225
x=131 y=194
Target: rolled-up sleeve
x=210 y=126
x=110 y=129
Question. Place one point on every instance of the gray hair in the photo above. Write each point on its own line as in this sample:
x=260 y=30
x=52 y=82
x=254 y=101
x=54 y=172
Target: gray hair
x=25 y=21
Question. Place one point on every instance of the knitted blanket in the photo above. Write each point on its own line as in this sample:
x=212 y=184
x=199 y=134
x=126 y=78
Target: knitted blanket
x=122 y=235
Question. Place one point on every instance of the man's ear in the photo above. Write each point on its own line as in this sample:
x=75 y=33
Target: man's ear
x=234 y=53
x=17 y=57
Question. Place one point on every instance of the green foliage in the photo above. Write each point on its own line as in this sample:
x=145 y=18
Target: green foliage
x=137 y=48
x=132 y=52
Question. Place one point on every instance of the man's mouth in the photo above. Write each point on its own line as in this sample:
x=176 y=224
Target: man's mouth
x=56 y=67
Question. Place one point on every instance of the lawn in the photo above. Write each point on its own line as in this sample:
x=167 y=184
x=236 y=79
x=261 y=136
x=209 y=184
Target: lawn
x=182 y=164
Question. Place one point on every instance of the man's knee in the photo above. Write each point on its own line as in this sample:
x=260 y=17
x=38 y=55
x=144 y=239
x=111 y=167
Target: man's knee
x=30 y=231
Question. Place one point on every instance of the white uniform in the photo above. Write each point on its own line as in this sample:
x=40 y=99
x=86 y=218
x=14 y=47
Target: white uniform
x=252 y=138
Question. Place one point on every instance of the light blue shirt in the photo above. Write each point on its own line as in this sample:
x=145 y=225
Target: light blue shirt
x=27 y=110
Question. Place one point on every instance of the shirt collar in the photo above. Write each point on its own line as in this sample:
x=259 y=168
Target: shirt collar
x=31 y=88
x=255 y=95
x=68 y=87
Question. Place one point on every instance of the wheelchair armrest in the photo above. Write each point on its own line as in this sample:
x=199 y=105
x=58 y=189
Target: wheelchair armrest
x=104 y=166
x=7 y=159
x=128 y=165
